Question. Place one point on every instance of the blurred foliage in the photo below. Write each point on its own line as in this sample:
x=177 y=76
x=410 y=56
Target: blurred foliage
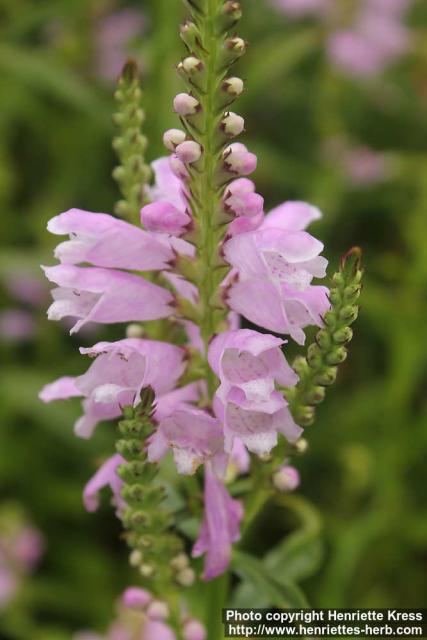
x=365 y=471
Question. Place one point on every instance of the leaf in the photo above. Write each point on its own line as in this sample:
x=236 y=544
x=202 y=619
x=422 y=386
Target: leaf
x=285 y=595
x=296 y=558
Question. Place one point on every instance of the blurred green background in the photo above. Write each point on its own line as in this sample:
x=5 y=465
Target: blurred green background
x=357 y=148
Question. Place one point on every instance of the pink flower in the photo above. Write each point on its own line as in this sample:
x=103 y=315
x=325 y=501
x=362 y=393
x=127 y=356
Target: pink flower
x=364 y=166
x=249 y=364
x=167 y=187
x=112 y=40
x=220 y=526
x=274 y=267
x=193 y=435
x=300 y=8
x=117 y=376
x=194 y=630
x=157 y=630
x=238 y=160
x=104 y=241
x=106 y=476
x=164 y=217
x=93 y=294
x=16 y=325
x=241 y=200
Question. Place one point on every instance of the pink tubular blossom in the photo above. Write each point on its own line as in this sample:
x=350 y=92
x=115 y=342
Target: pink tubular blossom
x=104 y=241
x=193 y=435
x=286 y=479
x=105 y=476
x=274 y=267
x=167 y=187
x=117 y=376
x=248 y=365
x=163 y=217
x=220 y=526
x=94 y=294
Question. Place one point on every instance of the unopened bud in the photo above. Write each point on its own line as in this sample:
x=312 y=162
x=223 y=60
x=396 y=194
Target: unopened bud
x=232 y=124
x=236 y=45
x=134 y=331
x=180 y=562
x=189 y=151
x=136 y=598
x=326 y=377
x=185 y=105
x=343 y=335
x=178 y=168
x=238 y=160
x=158 y=610
x=190 y=35
x=186 y=577
x=135 y=558
x=233 y=86
x=146 y=570
x=300 y=446
x=286 y=479
x=172 y=138
x=194 y=630
x=336 y=356
x=192 y=65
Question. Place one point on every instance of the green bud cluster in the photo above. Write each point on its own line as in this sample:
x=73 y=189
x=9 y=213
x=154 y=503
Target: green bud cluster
x=319 y=368
x=147 y=524
x=130 y=144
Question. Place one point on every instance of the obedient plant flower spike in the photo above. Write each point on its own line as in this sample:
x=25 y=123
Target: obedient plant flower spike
x=153 y=546
x=209 y=129
x=130 y=144
x=319 y=369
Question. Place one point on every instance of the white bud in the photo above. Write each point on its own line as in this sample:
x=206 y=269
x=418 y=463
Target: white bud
x=232 y=124
x=185 y=105
x=146 y=570
x=189 y=151
x=180 y=562
x=134 y=331
x=192 y=65
x=158 y=610
x=172 y=138
x=286 y=479
x=186 y=577
x=135 y=558
x=234 y=86
x=238 y=45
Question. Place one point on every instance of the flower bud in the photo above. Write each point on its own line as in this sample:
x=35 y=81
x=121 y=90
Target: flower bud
x=172 y=138
x=286 y=479
x=236 y=45
x=343 y=335
x=192 y=65
x=134 y=330
x=241 y=200
x=186 y=577
x=326 y=377
x=231 y=13
x=135 y=558
x=300 y=446
x=185 y=105
x=194 y=630
x=233 y=86
x=146 y=570
x=238 y=160
x=189 y=151
x=232 y=125
x=336 y=356
x=178 y=167
x=136 y=598
x=158 y=610
x=163 y=217
x=180 y=562
x=190 y=35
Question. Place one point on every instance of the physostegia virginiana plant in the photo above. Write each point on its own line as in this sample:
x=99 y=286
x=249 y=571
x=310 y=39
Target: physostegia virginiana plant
x=187 y=260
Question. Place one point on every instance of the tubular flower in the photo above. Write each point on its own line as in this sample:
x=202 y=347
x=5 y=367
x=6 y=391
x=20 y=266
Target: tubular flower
x=106 y=476
x=94 y=294
x=274 y=267
x=220 y=526
x=120 y=371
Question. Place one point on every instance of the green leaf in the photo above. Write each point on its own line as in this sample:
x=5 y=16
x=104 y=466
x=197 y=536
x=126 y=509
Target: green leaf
x=285 y=595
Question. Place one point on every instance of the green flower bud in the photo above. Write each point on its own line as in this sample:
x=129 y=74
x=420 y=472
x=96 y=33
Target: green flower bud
x=326 y=377
x=190 y=35
x=314 y=356
x=230 y=14
x=343 y=335
x=324 y=340
x=349 y=314
x=336 y=356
